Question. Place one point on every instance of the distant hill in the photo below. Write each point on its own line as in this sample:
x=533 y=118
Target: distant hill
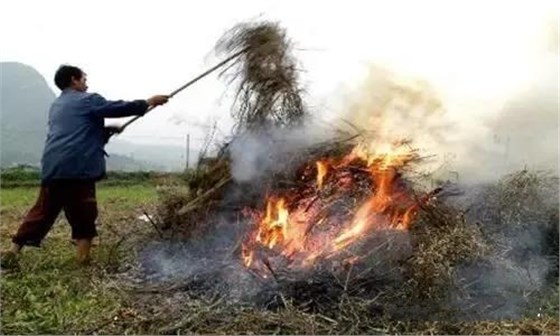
x=25 y=101
x=170 y=157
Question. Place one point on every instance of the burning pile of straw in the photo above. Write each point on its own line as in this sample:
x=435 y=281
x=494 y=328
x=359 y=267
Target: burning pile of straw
x=342 y=238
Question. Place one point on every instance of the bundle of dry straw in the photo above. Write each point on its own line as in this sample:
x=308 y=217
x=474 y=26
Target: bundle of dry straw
x=268 y=89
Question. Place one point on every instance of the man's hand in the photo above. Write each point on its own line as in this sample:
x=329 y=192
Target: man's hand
x=157 y=100
x=109 y=131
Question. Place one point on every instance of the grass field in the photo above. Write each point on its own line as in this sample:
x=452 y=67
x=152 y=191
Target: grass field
x=52 y=294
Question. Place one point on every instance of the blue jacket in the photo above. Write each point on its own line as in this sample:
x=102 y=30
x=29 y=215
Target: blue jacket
x=75 y=138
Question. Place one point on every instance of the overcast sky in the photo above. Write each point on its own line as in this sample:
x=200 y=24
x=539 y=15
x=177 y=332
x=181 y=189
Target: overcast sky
x=478 y=52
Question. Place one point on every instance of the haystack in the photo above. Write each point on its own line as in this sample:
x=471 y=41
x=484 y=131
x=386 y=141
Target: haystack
x=409 y=276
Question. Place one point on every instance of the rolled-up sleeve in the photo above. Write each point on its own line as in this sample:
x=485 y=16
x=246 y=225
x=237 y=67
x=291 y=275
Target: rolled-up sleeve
x=116 y=108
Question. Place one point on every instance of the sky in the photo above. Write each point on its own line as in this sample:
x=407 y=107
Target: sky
x=475 y=53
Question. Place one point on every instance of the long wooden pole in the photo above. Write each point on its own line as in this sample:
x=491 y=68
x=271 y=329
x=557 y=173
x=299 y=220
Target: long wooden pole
x=186 y=85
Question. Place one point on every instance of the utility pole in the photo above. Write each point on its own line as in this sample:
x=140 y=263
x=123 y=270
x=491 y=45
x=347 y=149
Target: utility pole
x=188 y=149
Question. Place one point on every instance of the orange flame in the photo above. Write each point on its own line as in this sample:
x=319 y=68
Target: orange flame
x=274 y=227
x=247 y=255
x=321 y=173
x=305 y=234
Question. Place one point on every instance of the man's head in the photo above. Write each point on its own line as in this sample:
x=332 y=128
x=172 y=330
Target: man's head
x=70 y=77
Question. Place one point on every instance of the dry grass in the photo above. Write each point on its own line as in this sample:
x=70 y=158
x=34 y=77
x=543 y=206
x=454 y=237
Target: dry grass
x=408 y=282
x=268 y=92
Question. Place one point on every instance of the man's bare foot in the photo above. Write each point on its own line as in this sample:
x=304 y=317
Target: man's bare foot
x=83 y=248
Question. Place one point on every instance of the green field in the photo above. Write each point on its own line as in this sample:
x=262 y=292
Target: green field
x=52 y=294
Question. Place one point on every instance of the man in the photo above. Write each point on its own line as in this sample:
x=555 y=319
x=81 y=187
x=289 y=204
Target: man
x=73 y=160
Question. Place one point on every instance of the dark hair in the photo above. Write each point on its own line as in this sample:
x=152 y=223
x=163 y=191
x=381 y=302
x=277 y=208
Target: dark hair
x=64 y=75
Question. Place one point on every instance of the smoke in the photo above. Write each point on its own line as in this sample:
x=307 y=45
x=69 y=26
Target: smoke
x=482 y=112
x=471 y=139
x=209 y=264
x=525 y=132
x=522 y=133
x=259 y=154
x=390 y=107
x=518 y=132
x=518 y=216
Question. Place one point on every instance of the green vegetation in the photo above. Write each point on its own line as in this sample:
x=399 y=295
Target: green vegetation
x=51 y=294
x=26 y=176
